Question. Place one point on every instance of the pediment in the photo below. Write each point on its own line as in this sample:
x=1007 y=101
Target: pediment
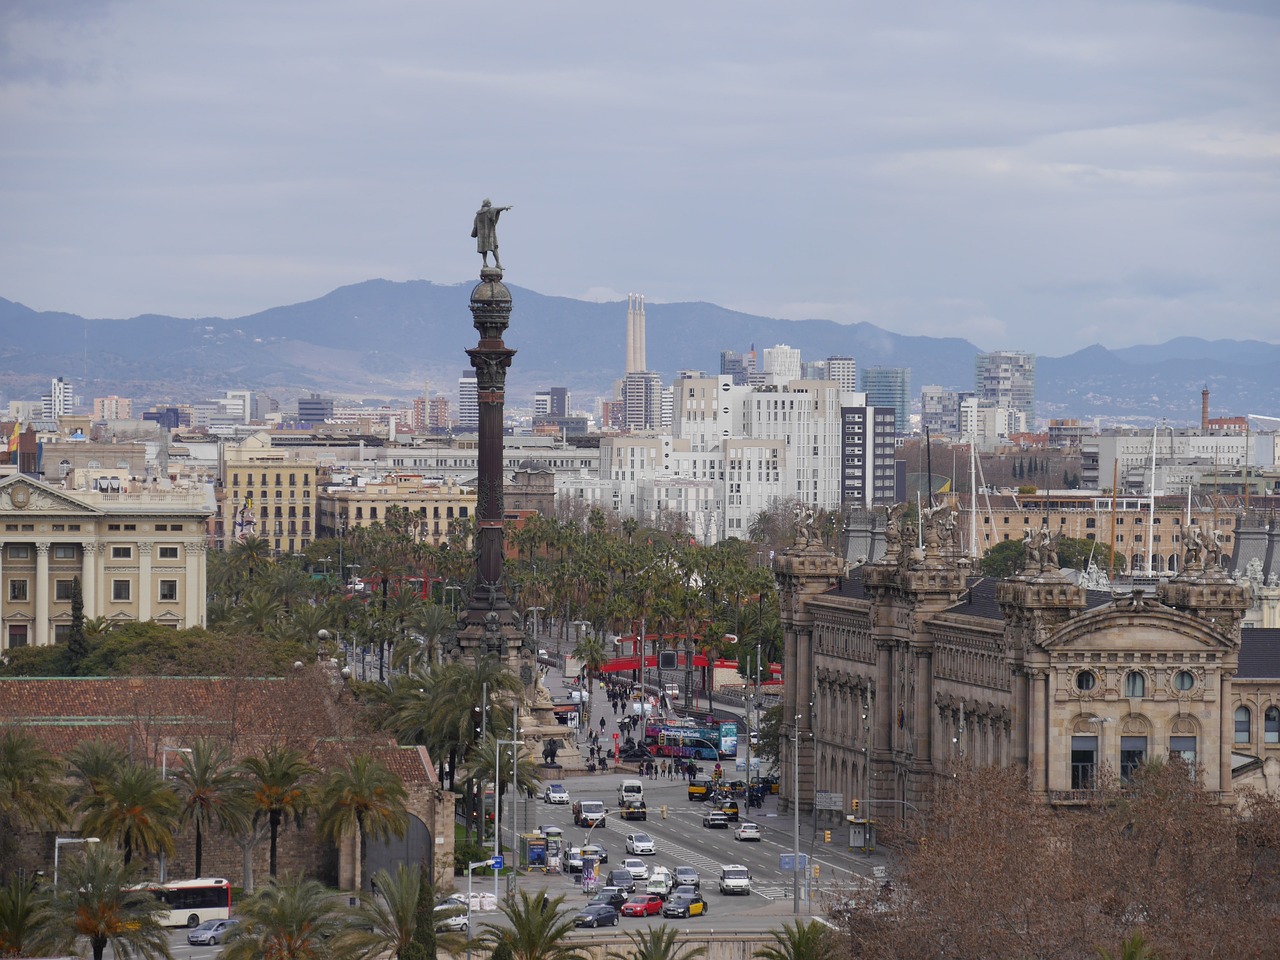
x=1149 y=626
x=20 y=494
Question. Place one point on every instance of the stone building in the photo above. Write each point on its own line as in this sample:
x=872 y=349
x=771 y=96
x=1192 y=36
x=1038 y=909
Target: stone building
x=139 y=555
x=433 y=506
x=901 y=668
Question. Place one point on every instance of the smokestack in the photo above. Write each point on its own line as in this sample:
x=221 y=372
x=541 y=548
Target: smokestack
x=1204 y=410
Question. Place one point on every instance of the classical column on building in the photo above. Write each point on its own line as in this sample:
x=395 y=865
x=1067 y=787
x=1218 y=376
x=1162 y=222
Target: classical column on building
x=145 y=612
x=804 y=570
x=193 y=582
x=89 y=577
x=41 y=597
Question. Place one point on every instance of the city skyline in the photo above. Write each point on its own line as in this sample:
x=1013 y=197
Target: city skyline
x=1025 y=178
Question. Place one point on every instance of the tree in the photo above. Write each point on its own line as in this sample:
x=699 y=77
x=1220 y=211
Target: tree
x=363 y=797
x=535 y=930
x=211 y=793
x=1133 y=948
x=77 y=643
x=134 y=808
x=798 y=941
x=399 y=919
x=280 y=789
x=288 y=920
x=657 y=943
x=1003 y=560
x=25 y=917
x=32 y=794
x=99 y=900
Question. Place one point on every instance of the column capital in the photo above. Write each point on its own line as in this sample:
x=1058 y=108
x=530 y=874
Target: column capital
x=42 y=548
x=90 y=547
x=144 y=547
x=196 y=546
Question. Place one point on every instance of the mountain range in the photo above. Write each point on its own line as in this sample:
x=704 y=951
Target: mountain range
x=384 y=339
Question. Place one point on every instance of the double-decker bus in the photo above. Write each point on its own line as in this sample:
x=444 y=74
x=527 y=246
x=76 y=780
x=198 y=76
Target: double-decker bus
x=192 y=902
x=698 y=741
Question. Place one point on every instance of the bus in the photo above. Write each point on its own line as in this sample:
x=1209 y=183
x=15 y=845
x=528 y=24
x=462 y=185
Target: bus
x=192 y=902
x=676 y=738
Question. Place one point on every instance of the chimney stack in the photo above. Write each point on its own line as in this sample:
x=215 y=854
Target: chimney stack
x=1204 y=410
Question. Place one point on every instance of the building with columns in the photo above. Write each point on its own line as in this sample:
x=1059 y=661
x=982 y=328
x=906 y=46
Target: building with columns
x=899 y=670
x=138 y=556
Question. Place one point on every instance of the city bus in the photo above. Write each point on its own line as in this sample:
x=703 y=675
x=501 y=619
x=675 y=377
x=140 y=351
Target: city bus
x=192 y=902
x=672 y=738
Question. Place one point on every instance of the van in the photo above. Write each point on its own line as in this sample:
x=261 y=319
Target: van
x=588 y=813
x=630 y=790
x=659 y=883
x=735 y=878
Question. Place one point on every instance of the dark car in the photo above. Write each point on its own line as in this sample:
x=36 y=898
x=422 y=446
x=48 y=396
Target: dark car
x=634 y=810
x=687 y=876
x=610 y=896
x=596 y=915
x=623 y=880
x=685 y=890
x=683 y=906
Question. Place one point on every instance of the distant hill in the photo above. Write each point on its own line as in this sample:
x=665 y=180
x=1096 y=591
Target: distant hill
x=381 y=338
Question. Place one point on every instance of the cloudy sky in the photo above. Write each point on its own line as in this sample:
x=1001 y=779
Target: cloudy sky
x=1029 y=175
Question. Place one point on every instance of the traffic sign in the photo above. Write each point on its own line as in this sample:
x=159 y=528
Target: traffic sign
x=787 y=862
x=826 y=800
x=615 y=735
x=496 y=862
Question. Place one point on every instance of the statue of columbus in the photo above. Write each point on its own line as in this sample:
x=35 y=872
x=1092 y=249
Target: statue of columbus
x=485 y=230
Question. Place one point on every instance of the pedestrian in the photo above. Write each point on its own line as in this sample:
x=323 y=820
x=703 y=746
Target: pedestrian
x=614 y=703
x=602 y=724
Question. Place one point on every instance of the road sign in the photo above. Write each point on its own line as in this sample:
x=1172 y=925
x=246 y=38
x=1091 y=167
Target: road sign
x=787 y=862
x=824 y=800
x=496 y=862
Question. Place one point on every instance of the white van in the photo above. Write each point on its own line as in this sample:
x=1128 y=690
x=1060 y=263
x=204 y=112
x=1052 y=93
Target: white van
x=630 y=790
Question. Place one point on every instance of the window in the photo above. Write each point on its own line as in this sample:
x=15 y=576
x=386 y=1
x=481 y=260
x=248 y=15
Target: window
x=64 y=551
x=1133 y=753
x=17 y=591
x=1084 y=761
x=19 y=551
x=120 y=591
x=1085 y=681
x=162 y=526
x=1135 y=684
x=168 y=553
x=17 y=635
x=1244 y=725
x=1183 y=681
x=1183 y=748
x=1271 y=725
x=168 y=590
x=61 y=632
x=175 y=526
x=121 y=553
x=62 y=589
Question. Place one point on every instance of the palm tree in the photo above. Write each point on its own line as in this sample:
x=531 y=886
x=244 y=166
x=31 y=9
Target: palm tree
x=94 y=763
x=487 y=759
x=798 y=941
x=656 y=943
x=391 y=921
x=536 y=929
x=31 y=790
x=99 y=900
x=135 y=808
x=1135 y=947
x=211 y=793
x=278 y=789
x=290 y=920
x=363 y=797
x=24 y=919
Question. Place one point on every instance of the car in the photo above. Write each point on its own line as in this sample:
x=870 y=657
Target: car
x=596 y=915
x=452 y=923
x=613 y=896
x=659 y=882
x=636 y=868
x=211 y=932
x=640 y=844
x=735 y=788
x=642 y=905
x=754 y=738
x=735 y=878
x=699 y=788
x=634 y=810
x=747 y=831
x=479 y=901
x=769 y=782
x=623 y=880
x=715 y=820
x=684 y=890
x=684 y=906
x=688 y=876
x=730 y=809
x=555 y=793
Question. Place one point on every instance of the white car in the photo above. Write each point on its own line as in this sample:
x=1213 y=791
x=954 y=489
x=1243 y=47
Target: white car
x=453 y=921
x=747 y=831
x=637 y=868
x=555 y=793
x=641 y=844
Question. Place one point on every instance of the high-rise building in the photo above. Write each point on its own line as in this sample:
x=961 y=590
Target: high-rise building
x=733 y=364
x=940 y=410
x=867 y=453
x=844 y=371
x=468 y=402
x=59 y=401
x=1009 y=380
x=438 y=414
x=890 y=387
x=315 y=409
x=112 y=408
x=636 y=361
x=642 y=400
x=782 y=361
x=552 y=402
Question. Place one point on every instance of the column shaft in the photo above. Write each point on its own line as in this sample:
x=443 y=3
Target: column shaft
x=42 y=594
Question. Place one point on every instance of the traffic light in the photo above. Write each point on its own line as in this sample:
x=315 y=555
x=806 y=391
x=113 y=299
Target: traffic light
x=817 y=870
x=477 y=720
x=662 y=738
x=855 y=804
x=826 y=836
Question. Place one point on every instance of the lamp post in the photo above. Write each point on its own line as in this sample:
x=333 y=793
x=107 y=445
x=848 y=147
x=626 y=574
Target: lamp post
x=453 y=589
x=58 y=843
x=497 y=790
x=470 y=867
x=535 y=611
x=164 y=775
x=795 y=817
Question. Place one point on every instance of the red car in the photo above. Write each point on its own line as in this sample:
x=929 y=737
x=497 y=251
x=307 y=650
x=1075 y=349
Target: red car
x=646 y=905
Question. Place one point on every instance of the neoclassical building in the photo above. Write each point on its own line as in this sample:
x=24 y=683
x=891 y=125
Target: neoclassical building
x=139 y=556
x=899 y=669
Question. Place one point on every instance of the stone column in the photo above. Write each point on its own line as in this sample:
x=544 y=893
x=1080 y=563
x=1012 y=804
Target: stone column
x=1226 y=732
x=42 y=594
x=144 y=582
x=1037 y=758
x=922 y=725
x=192 y=585
x=89 y=577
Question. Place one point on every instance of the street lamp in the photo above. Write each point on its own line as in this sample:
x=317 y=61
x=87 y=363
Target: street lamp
x=453 y=600
x=164 y=775
x=535 y=611
x=795 y=817
x=58 y=843
x=497 y=792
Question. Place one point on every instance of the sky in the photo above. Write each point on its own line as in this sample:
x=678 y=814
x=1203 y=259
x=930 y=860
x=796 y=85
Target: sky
x=1027 y=175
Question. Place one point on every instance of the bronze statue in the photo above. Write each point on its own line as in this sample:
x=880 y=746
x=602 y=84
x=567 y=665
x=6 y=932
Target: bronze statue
x=485 y=230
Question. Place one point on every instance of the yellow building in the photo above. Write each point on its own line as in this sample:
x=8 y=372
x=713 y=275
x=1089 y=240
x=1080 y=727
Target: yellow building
x=266 y=493
x=433 y=506
x=139 y=556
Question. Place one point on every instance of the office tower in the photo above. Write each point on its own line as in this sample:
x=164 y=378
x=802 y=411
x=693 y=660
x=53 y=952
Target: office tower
x=890 y=387
x=315 y=409
x=844 y=371
x=642 y=400
x=58 y=401
x=867 y=454
x=733 y=364
x=813 y=370
x=636 y=362
x=468 y=402
x=1009 y=380
x=782 y=361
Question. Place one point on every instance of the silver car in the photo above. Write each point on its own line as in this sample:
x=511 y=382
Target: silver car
x=211 y=932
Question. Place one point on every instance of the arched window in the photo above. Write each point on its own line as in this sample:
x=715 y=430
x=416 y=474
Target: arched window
x=1135 y=684
x=1271 y=725
x=1244 y=726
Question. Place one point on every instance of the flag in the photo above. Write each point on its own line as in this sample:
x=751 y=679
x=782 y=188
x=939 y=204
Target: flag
x=946 y=487
x=13 y=439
